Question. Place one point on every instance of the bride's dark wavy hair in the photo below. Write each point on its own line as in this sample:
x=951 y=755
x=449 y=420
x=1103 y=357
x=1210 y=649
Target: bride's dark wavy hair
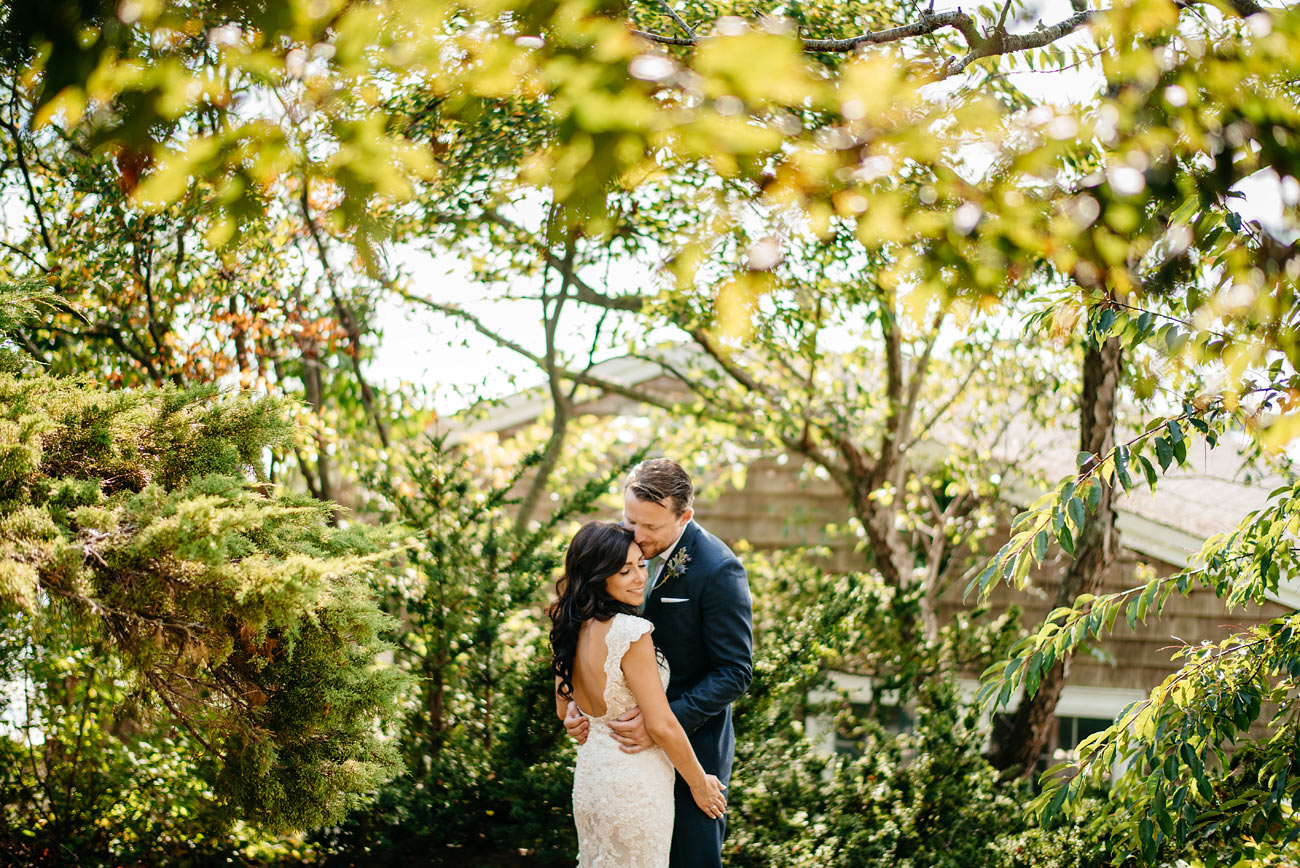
x=598 y=551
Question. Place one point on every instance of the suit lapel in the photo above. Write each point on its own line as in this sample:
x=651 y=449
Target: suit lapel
x=686 y=544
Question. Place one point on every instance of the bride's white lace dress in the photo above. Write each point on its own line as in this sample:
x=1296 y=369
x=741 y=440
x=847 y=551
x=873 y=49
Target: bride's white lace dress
x=622 y=803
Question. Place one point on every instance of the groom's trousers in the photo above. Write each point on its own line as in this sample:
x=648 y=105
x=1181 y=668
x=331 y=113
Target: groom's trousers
x=697 y=837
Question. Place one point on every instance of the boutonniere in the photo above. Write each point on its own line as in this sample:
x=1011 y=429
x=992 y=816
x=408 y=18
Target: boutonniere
x=676 y=564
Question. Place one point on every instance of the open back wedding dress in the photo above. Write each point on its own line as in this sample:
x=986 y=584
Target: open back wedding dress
x=622 y=803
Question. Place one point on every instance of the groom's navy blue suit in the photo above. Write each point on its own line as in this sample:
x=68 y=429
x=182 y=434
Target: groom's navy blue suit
x=704 y=625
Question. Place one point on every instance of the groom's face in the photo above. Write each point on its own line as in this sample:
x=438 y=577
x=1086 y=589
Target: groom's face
x=656 y=526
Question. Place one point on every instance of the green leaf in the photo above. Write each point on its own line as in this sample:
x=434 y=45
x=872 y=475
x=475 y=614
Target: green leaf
x=1144 y=602
x=1164 y=819
x=1066 y=541
x=1023 y=562
x=1105 y=320
x=1203 y=783
x=1041 y=541
x=1121 y=468
x=1076 y=511
x=1054 y=806
x=1094 y=495
x=1033 y=672
x=1164 y=452
x=1149 y=469
x=982 y=581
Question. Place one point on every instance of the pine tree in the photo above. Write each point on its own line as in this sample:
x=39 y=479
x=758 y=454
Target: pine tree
x=145 y=560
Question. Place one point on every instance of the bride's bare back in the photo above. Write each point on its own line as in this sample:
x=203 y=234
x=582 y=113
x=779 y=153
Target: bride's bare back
x=589 y=667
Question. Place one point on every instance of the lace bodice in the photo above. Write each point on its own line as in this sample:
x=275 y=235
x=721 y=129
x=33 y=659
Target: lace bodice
x=623 y=631
x=622 y=802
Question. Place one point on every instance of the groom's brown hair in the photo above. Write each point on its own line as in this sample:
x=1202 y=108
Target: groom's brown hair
x=661 y=481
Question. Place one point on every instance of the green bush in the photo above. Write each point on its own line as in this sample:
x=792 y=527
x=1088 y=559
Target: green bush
x=191 y=646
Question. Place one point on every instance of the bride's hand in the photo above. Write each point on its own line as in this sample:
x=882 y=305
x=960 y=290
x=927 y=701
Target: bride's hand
x=710 y=796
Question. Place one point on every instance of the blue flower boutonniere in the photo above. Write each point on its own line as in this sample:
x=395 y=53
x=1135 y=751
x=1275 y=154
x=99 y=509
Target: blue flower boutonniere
x=676 y=565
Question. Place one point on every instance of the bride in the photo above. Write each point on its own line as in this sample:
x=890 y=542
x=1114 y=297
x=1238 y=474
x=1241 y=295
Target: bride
x=605 y=661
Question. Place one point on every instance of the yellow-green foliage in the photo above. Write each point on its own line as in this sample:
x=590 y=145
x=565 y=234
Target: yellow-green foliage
x=136 y=526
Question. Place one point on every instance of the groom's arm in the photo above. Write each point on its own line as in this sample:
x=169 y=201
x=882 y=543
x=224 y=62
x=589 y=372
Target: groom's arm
x=727 y=621
x=575 y=722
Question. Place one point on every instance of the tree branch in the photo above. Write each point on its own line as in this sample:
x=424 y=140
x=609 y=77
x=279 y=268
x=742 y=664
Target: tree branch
x=25 y=255
x=723 y=359
x=1010 y=43
x=945 y=407
x=586 y=294
x=347 y=319
x=888 y=462
x=27 y=178
x=32 y=350
x=978 y=45
x=478 y=324
x=142 y=259
x=1002 y=19
x=918 y=377
x=672 y=13
x=1245 y=8
x=160 y=688
x=562 y=408
x=113 y=334
x=929 y=22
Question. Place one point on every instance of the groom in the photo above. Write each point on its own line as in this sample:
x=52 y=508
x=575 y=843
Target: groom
x=697 y=596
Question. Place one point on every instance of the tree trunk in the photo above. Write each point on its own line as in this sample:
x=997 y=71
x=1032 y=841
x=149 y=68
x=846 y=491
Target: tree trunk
x=241 y=345
x=314 y=394
x=1016 y=747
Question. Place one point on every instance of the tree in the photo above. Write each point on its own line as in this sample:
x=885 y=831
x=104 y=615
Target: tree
x=153 y=585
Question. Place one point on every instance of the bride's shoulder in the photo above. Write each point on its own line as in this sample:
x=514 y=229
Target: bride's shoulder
x=633 y=625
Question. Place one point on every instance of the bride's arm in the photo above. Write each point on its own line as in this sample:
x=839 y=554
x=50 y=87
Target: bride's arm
x=642 y=673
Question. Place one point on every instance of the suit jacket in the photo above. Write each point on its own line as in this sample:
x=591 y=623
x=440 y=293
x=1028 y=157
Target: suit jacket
x=704 y=625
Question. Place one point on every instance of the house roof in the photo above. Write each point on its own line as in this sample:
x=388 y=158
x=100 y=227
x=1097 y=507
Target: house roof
x=1209 y=495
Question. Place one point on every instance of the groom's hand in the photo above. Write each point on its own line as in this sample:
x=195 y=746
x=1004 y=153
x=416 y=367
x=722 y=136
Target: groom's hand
x=576 y=723
x=630 y=732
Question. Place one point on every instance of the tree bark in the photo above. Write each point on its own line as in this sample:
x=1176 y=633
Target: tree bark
x=314 y=393
x=241 y=345
x=1016 y=747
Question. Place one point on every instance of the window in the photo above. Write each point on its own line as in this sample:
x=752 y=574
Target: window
x=1072 y=730
x=893 y=719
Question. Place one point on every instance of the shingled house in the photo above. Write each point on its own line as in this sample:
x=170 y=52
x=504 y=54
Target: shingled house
x=783 y=504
